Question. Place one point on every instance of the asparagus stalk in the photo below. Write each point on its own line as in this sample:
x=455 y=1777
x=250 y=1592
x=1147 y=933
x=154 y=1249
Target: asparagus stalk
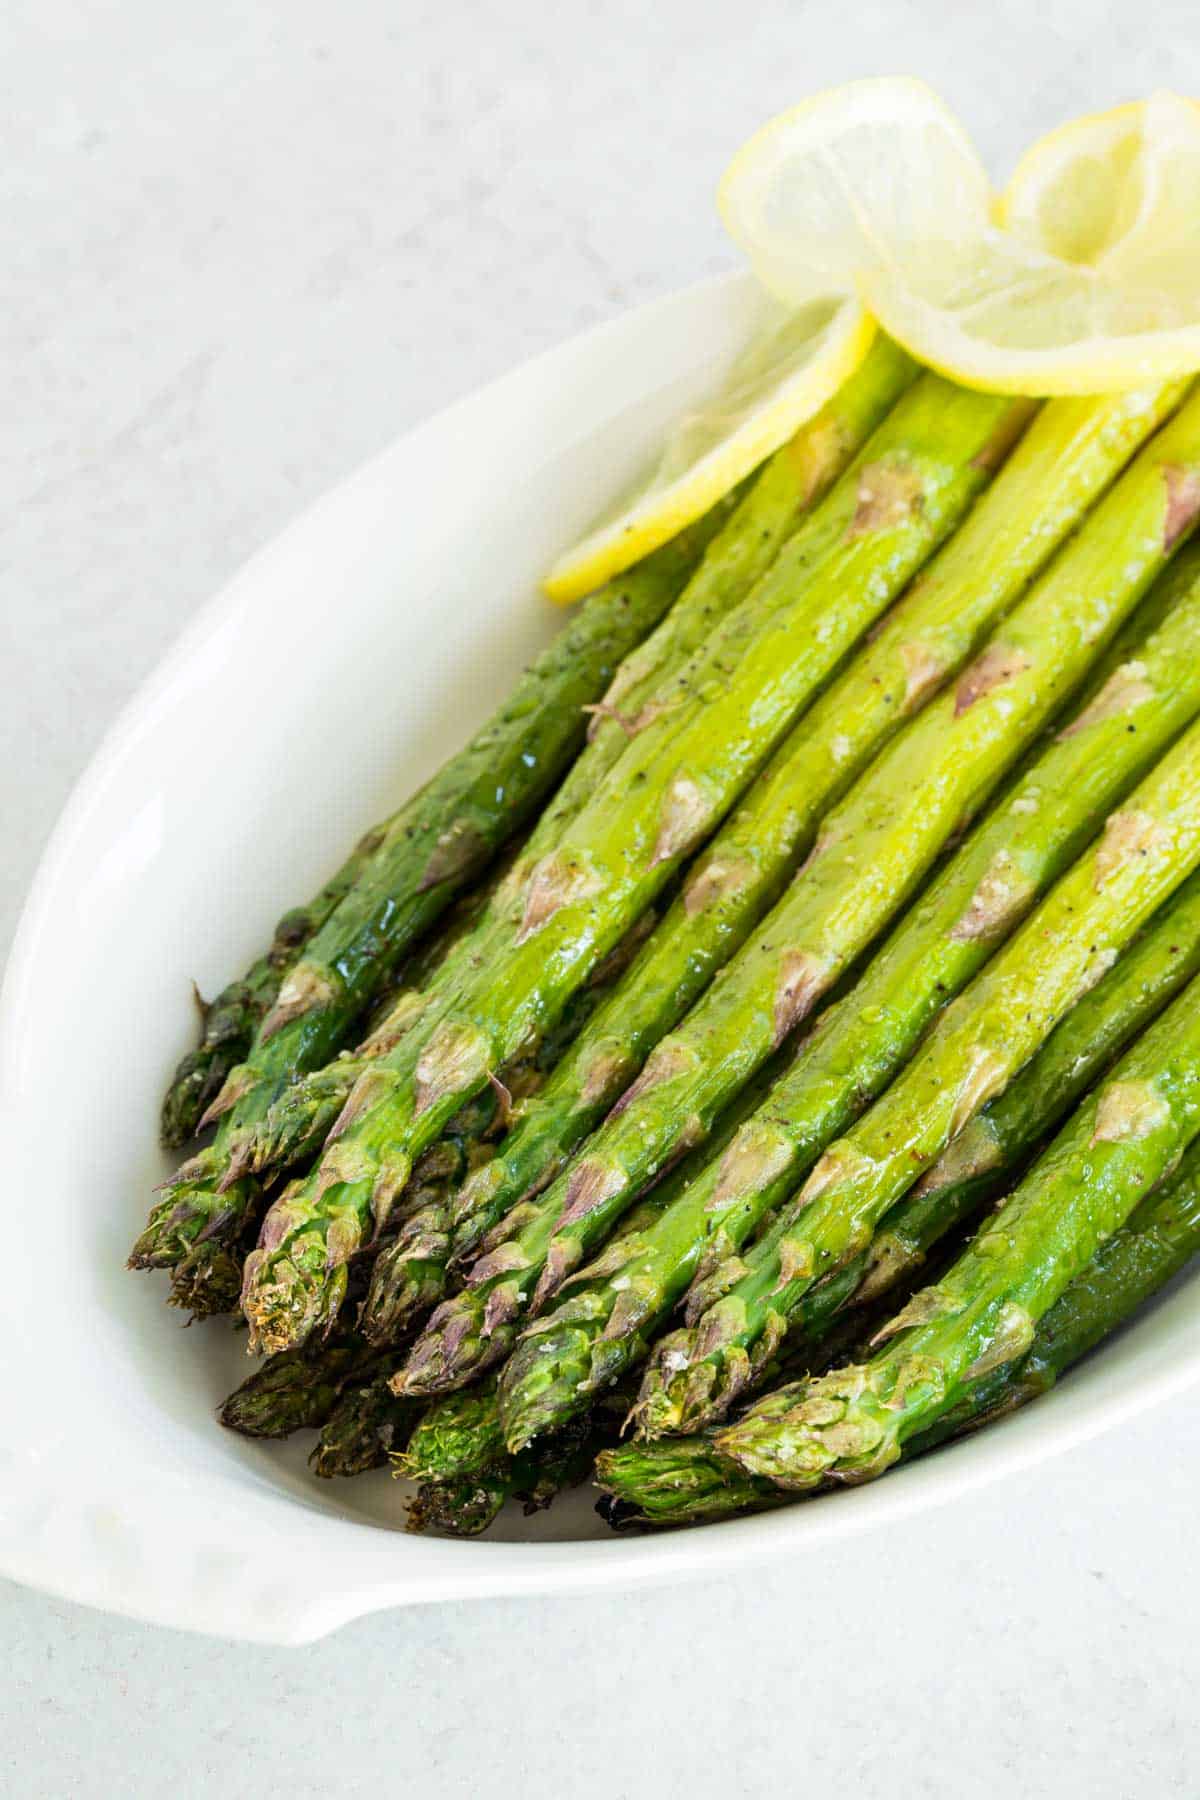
x=367 y=1425
x=1066 y=459
x=670 y=787
x=211 y=1197
x=462 y=1509
x=457 y=1438
x=438 y=1173
x=875 y=536
x=465 y=1505
x=981 y=1161
x=231 y=1019
x=296 y=1391
x=873 y=849
x=972 y=1052
x=676 y=1481
x=687 y=1481
x=656 y=676
x=851 y=1425
x=1128 y=1269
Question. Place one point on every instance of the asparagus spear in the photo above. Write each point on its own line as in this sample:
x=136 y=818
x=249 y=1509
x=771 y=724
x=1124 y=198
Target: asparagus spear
x=701 y=1484
x=677 y=1481
x=981 y=1161
x=366 y=1427
x=850 y=1425
x=671 y=785
x=231 y=1019
x=462 y=1508
x=665 y=672
x=873 y=849
x=1160 y=1238
x=1065 y=460
x=501 y=775
x=296 y=1391
x=210 y=1197
x=465 y=1505
x=604 y=1324
x=736 y=544
x=458 y=1437
x=210 y=1279
x=687 y=1481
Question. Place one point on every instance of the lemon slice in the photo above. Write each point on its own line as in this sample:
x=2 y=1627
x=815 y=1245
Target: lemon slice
x=870 y=175
x=875 y=188
x=1109 y=187
x=799 y=359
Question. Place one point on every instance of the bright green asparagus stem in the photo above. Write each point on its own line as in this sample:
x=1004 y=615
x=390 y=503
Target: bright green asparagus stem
x=441 y=1170
x=873 y=850
x=671 y=786
x=850 y=1425
x=984 y=1157
x=656 y=676
x=1159 y=1239
x=232 y=1018
x=686 y=1481
x=366 y=1427
x=211 y=1197
x=1034 y=831
x=603 y=1325
x=615 y=642
x=296 y=1391
x=1066 y=459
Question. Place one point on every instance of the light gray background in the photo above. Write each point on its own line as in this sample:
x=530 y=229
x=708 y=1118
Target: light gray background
x=246 y=242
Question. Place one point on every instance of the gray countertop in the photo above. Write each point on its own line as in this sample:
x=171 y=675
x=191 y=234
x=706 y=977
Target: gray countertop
x=245 y=245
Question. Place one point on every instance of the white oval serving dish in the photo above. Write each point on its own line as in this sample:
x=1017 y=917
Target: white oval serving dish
x=336 y=671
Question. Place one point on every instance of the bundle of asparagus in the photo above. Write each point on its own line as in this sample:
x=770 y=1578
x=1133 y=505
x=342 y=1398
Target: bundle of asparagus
x=862 y=835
